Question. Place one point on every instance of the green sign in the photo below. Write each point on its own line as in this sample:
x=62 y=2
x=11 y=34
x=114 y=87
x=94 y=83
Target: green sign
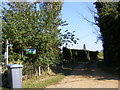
x=30 y=51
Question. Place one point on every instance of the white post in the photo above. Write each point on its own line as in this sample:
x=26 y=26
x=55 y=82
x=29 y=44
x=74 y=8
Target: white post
x=7 y=52
x=39 y=71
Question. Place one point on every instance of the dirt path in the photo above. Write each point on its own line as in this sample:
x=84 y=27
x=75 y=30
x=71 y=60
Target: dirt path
x=91 y=77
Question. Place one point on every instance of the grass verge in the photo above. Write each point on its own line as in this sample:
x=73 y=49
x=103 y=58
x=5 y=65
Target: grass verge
x=42 y=83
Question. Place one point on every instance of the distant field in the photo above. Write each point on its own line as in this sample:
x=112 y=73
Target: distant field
x=100 y=55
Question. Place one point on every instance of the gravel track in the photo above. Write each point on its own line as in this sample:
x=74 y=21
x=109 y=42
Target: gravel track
x=91 y=77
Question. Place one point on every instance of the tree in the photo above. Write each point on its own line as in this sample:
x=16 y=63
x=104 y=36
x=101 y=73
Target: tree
x=26 y=25
x=68 y=38
x=108 y=21
x=34 y=26
x=51 y=17
x=84 y=47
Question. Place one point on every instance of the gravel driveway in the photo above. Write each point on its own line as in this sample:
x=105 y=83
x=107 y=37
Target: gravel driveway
x=91 y=77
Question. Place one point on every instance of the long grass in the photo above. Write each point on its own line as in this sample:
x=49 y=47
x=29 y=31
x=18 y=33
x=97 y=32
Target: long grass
x=39 y=83
x=44 y=81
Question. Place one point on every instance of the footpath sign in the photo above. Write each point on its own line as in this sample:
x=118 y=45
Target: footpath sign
x=5 y=55
x=30 y=51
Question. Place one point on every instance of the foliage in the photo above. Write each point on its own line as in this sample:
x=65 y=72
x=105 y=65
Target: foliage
x=5 y=79
x=108 y=20
x=78 y=55
x=34 y=25
x=84 y=47
x=100 y=55
x=86 y=52
x=68 y=38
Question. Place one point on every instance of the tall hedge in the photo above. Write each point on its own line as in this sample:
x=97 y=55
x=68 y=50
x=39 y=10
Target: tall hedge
x=109 y=23
x=74 y=55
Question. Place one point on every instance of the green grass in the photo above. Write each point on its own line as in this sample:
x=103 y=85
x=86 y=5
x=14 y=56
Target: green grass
x=32 y=83
x=46 y=80
x=100 y=55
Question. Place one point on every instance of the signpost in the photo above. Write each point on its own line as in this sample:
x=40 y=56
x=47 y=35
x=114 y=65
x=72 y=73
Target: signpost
x=6 y=53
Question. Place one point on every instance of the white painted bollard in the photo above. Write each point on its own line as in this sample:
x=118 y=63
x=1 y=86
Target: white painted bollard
x=39 y=71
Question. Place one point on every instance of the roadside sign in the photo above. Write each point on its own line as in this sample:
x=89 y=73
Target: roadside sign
x=30 y=51
x=10 y=45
